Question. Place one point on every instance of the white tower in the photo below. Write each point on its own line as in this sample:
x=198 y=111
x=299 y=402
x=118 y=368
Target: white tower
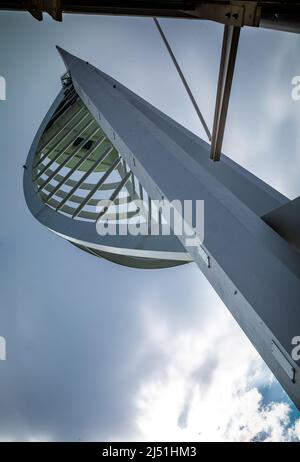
x=100 y=140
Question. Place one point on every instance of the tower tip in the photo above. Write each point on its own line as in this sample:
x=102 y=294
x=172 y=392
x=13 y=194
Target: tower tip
x=68 y=59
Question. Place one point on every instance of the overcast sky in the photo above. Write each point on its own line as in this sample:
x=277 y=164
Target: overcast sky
x=97 y=351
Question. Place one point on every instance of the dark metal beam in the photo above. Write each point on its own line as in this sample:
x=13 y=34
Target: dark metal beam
x=276 y=14
x=227 y=64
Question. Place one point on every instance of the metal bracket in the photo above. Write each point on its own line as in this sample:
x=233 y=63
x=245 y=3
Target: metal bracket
x=284 y=363
x=233 y=13
x=52 y=7
x=35 y=8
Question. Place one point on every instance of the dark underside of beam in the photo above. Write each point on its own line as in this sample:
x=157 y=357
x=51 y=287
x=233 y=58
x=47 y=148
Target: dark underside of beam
x=270 y=14
x=285 y=220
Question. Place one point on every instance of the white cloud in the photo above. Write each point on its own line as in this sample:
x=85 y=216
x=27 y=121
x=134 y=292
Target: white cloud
x=207 y=389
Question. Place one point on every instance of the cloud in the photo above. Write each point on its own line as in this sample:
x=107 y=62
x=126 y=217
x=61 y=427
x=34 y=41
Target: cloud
x=209 y=386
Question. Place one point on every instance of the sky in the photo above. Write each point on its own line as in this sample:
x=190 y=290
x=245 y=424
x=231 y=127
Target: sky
x=100 y=352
